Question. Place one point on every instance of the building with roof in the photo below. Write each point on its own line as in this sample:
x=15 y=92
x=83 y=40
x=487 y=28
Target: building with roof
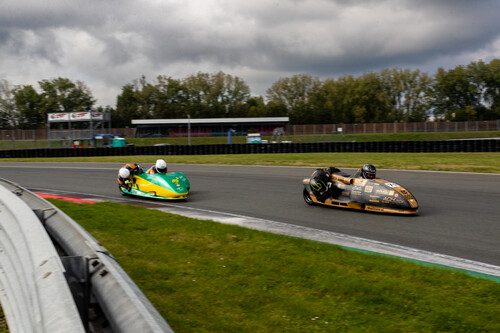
x=207 y=126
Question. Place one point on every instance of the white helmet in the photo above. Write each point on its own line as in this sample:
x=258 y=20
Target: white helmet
x=124 y=173
x=161 y=166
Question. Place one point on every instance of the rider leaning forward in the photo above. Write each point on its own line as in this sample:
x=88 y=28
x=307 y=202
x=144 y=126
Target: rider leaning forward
x=322 y=179
x=368 y=171
x=159 y=167
x=127 y=172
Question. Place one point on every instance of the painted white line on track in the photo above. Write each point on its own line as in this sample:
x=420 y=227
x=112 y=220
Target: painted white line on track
x=315 y=235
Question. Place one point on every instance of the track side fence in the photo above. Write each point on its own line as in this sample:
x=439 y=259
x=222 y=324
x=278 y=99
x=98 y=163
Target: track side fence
x=444 y=146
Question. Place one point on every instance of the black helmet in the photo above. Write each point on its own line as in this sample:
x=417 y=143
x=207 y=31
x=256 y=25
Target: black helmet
x=317 y=185
x=369 y=171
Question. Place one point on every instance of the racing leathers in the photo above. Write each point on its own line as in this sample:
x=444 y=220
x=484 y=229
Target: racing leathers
x=323 y=182
x=133 y=169
x=154 y=169
x=368 y=171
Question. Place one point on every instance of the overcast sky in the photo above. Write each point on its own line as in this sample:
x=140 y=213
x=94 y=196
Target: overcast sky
x=109 y=43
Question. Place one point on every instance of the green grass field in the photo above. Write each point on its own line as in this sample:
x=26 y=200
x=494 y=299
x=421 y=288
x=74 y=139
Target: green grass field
x=324 y=138
x=204 y=276
x=417 y=136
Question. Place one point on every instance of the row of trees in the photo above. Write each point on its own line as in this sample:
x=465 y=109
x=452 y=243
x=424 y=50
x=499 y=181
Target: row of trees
x=463 y=93
x=25 y=108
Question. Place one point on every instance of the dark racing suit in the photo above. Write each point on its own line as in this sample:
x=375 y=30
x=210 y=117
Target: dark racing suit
x=321 y=183
x=358 y=174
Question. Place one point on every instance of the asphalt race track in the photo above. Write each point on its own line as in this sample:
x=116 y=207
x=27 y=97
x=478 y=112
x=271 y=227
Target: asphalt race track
x=459 y=213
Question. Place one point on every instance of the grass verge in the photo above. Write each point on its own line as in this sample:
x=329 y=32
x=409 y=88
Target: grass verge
x=462 y=162
x=204 y=276
x=310 y=138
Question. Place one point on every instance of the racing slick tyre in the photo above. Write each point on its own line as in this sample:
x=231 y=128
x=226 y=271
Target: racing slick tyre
x=307 y=198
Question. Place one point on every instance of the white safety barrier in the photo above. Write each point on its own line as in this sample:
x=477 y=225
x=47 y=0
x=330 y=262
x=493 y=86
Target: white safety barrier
x=125 y=306
x=33 y=290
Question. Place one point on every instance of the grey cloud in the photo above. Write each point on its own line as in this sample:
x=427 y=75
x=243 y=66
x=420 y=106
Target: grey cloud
x=27 y=45
x=319 y=37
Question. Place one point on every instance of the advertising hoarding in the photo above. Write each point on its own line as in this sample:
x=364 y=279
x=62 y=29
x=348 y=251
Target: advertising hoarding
x=74 y=116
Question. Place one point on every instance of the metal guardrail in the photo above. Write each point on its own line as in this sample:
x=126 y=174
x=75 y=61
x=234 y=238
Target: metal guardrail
x=34 y=293
x=124 y=306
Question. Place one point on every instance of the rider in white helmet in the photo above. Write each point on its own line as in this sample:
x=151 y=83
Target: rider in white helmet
x=126 y=173
x=159 y=167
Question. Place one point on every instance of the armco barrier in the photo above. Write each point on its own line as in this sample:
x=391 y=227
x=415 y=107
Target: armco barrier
x=125 y=307
x=34 y=293
x=445 y=146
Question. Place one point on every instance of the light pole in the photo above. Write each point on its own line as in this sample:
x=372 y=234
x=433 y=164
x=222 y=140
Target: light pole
x=189 y=129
